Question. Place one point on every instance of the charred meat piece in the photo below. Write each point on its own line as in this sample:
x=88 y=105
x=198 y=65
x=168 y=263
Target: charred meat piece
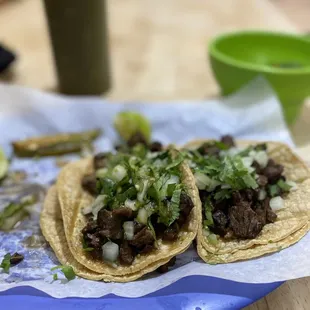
x=89 y=182
x=244 y=221
x=146 y=249
x=262 y=180
x=228 y=141
x=236 y=198
x=156 y=146
x=171 y=233
x=164 y=268
x=261 y=212
x=142 y=238
x=186 y=204
x=273 y=172
x=123 y=212
x=16 y=258
x=138 y=226
x=100 y=160
x=220 y=220
x=93 y=240
x=209 y=149
x=136 y=139
x=90 y=228
x=126 y=254
x=110 y=224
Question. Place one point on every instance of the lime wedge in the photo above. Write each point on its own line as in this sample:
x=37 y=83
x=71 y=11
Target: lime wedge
x=128 y=123
x=4 y=164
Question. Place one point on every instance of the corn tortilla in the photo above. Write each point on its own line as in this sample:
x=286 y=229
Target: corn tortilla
x=53 y=230
x=292 y=220
x=73 y=198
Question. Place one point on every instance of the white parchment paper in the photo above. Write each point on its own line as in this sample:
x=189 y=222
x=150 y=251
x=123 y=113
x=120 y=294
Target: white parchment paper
x=252 y=113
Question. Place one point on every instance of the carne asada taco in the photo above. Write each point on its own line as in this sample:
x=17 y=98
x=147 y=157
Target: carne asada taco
x=53 y=230
x=255 y=198
x=126 y=214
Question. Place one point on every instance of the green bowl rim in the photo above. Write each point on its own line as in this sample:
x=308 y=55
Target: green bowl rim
x=213 y=51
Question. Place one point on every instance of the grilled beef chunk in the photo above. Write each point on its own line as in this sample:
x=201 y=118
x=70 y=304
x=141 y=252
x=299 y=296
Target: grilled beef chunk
x=142 y=238
x=123 y=212
x=93 y=240
x=220 y=219
x=126 y=254
x=171 y=233
x=236 y=198
x=228 y=140
x=110 y=225
x=244 y=221
x=156 y=146
x=186 y=204
x=89 y=182
x=164 y=268
x=136 y=139
x=100 y=160
x=273 y=172
x=146 y=249
x=16 y=259
x=261 y=211
x=90 y=228
x=209 y=149
x=138 y=226
x=262 y=180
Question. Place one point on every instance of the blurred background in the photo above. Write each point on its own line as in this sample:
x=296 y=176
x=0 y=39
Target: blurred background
x=157 y=49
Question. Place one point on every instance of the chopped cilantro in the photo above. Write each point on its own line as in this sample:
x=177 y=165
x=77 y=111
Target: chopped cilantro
x=284 y=186
x=55 y=276
x=208 y=213
x=6 y=263
x=169 y=212
x=66 y=270
x=274 y=190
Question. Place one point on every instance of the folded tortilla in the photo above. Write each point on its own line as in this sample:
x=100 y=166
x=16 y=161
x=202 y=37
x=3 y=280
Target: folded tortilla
x=291 y=224
x=53 y=230
x=73 y=198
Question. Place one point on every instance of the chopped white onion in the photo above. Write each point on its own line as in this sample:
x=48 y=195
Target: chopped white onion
x=262 y=194
x=276 y=203
x=293 y=185
x=262 y=158
x=202 y=180
x=101 y=173
x=110 y=251
x=233 y=151
x=131 y=204
x=97 y=205
x=142 y=216
x=225 y=186
x=247 y=161
x=118 y=173
x=129 y=230
x=174 y=179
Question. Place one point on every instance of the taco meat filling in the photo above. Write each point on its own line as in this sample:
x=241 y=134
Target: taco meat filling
x=240 y=189
x=140 y=202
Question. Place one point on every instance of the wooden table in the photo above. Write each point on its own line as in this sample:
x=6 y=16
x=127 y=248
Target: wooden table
x=158 y=53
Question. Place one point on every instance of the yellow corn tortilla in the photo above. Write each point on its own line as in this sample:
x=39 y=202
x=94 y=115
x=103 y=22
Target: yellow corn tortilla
x=73 y=198
x=254 y=251
x=53 y=230
x=292 y=221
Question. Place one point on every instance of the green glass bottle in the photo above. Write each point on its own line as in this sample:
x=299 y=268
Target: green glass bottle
x=79 y=37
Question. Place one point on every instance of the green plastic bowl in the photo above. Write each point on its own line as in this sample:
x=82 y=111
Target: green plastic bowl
x=284 y=60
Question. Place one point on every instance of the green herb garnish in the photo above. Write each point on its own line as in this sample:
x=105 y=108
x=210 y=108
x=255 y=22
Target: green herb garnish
x=6 y=263
x=66 y=270
x=284 y=186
